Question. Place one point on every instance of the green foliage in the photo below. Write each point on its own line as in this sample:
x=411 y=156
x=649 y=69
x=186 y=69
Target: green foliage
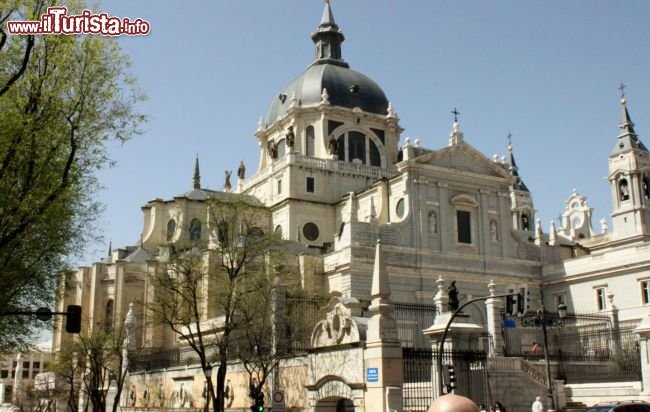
x=62 y=98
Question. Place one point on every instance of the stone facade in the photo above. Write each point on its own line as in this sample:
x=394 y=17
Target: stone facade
x=335 y=178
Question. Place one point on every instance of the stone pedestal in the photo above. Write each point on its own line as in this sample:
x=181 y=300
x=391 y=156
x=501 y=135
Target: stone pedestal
x=494 y=322
x=462 y=335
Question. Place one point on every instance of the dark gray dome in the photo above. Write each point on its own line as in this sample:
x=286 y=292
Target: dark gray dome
x=345 y=87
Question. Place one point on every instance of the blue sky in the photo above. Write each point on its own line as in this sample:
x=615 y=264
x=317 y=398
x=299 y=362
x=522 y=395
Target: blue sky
x=546 y=71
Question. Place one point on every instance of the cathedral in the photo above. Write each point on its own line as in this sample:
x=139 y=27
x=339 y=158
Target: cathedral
x=378 y=218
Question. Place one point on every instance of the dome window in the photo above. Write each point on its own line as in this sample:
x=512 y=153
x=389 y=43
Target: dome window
x=195 y=229
x=171 y=229
x=309 y=141
x=356 y=147
x=355 y=89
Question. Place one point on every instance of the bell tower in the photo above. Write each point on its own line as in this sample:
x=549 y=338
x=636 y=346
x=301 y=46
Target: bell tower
x=522 y=209
x=629 y=178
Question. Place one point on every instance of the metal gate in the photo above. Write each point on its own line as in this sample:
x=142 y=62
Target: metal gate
x=470 y=373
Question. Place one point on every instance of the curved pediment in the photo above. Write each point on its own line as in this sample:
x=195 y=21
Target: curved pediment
x=339 y=326
x=464 y=200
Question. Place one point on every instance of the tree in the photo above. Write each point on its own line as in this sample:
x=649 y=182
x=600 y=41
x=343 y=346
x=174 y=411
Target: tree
x=61 y=99
x=211 y=292
x=90 y=364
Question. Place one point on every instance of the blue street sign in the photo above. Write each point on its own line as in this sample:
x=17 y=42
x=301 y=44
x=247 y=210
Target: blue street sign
x=372 y=375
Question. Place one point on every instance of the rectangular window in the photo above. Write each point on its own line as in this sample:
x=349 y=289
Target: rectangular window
x=645 y=291
x=463 y=221
x=310 y=185
x=4 y=373
x=279 y=186
x=560 y=299
x=600 y=299
x=25 y=373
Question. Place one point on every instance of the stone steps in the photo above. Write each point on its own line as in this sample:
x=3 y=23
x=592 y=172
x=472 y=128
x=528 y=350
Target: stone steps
x=575 y=407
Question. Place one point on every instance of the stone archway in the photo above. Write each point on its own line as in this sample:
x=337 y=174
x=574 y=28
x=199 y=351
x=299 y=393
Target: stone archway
x=335 y=404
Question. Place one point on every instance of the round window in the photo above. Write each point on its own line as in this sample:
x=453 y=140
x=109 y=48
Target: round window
x=399 y=209
x=310 y=231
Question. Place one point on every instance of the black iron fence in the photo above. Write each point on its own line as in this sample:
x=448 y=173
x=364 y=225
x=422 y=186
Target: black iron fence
x=412 y=319
x=470 y=369
x=417 y=391
x=606 y=356
x=586 y=348
x=161 y=360
x=301 y=314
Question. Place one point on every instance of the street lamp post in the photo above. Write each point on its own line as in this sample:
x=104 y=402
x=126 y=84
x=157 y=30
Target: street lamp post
x=441 y=345
x=540 y=319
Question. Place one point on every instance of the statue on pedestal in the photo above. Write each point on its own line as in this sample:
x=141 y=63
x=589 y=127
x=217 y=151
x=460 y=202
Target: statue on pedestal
x=452 y=291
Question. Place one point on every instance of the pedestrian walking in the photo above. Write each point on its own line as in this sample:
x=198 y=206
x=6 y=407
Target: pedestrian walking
x=537 y=405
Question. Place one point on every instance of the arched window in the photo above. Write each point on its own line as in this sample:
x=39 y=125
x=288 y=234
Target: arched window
x=646 y=187
x=356 y=147
x=525 y=222
x=340 y=144
x=375 y=157
x=195 y=229
x=309 y=141
x=108 y=316
x=171 y=229
x=222 y=232
x=282 y=148
x=623 y=189
x=278 y=231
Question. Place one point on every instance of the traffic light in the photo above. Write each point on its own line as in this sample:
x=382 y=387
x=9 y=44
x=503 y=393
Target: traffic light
x=259 y=403
x=510 y=304
x=73 y=319
x=452 y=378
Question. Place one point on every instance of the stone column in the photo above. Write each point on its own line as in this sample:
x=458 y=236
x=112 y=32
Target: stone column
x=383 y=354
x=613 y=318
x=643 y=330
x=494 y=321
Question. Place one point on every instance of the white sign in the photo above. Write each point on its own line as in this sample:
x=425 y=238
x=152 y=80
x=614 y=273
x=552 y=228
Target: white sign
x=278 y=400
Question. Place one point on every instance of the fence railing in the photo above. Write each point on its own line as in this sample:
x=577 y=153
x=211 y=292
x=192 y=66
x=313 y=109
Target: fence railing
x=470 y=368
x=412 y=319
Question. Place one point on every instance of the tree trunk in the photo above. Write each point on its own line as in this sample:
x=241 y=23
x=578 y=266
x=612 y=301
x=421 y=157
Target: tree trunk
x=221 y=382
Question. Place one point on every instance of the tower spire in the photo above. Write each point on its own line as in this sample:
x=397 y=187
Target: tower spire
x=513 y=169
x=328 y=38
x=196 y=180
x=627 y=138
